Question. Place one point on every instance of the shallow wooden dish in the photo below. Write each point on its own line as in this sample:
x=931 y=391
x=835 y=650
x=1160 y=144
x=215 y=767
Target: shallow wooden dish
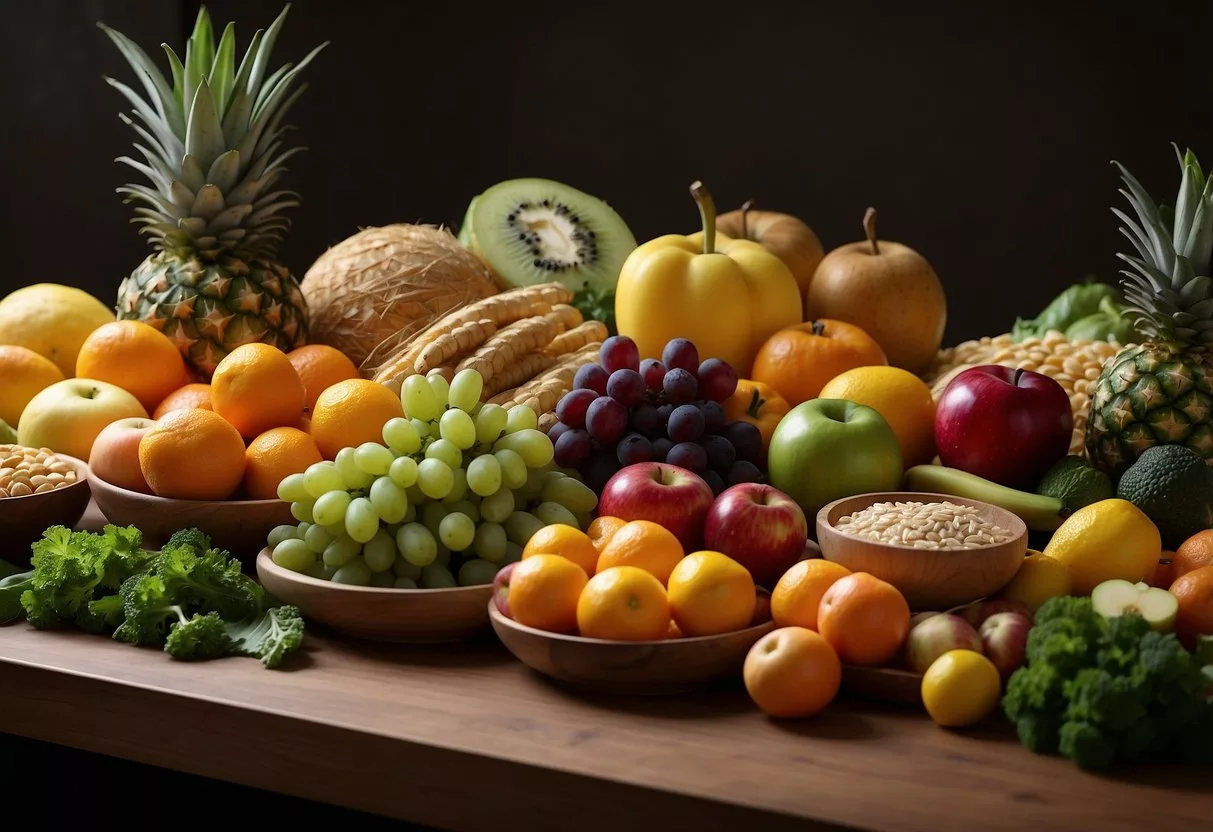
x=929 y=579
x=24 y=519
x=628 y=667
x=239 y=526
x=407 y=616
x=890 y=684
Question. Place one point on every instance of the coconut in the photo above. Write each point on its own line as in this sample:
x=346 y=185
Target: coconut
x=383 y=284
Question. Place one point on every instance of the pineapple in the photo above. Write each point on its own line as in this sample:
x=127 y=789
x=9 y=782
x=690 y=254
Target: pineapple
x=1161 y=391
x=212 y=148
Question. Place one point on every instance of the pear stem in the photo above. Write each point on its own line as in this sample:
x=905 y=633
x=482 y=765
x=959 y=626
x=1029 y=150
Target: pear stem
x=707 y=213
x=869 y=228
x=745 y=209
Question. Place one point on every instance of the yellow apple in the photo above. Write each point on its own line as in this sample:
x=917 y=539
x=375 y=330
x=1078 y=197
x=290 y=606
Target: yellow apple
x=67 y=416
x=115 y=454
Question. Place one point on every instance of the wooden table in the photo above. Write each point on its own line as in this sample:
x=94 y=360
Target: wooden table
x=464 y=737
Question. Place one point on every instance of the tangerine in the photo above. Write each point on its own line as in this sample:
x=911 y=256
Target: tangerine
x=797 y=596
x=544 y=593
x=187 y=397
x=798 y=361
x=603 y=528
x=1194 y=553
x=792 y=672
x=642 y=543
x=865 y=619
x=256 y=388
x=273 y=456
x=623 y=603
x=352 y=412
x=134 y=356
x=566 y=541
x=23 y=375
x=192 y=455
x=320 y=367
x=710 y=593
x=1194 y=592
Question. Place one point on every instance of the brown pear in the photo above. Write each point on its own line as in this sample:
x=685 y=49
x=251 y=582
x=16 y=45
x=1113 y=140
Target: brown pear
x=788 y=238
x=888 y=290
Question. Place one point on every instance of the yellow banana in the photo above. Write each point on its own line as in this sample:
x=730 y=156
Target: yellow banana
x=1039 y=513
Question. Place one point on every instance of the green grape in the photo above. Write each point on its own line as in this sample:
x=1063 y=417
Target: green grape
x=475 y=411
x=431 y=516
x=417 y=397
x=456 y=531
x=531 y=489
x=341 y=551
x=403 y=569
x=422 y=427
x=281 y=533
x=380 y=551
x=464 y=507
x=459 y=488
x=353 y=477
x=330 y=508
x=584 y=519
x=521 y=527
x=465 y=389
x=521 y=417
x=400 y=435
x=337 y=529
x=416 y=495
x=318 y=571
x=292 y=489
x=490 y=423
x=447 y=451
x=321 y=478
x=458 y=428
x=294 y=555
x=403 y=471
x=513 y=553
x=361 y=521
x=302 y=511
x=513 y=469
x=477 y=571
x=389 y=500
x=416 y=545
x=490 y=541
x=533 y=446
x=354 y=573
x=301 y=529
x=372 y=458
x=568 y=492
x=329 y=571
x=441 y=388
x=410 y=514
x=496 y=507
x=437 y=576
x=317 y=539
x=383 y=580
x=443 y=558
x=405 y=583
x=553 y=514
x=435 y=478
x=484 y=475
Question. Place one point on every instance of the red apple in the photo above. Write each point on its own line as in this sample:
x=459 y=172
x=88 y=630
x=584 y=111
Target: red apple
x=115 y=454
x=935 y=635
x=758 y=526
x=977 y=612
x=501 y=589
x=1003 y=424
x=664 y=494
x=1004 y=640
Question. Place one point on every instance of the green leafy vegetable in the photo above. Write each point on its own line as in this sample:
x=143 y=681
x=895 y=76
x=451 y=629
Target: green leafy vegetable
x=271 y=636
x=1091 y=308
x=597 y=305
x=12 y=586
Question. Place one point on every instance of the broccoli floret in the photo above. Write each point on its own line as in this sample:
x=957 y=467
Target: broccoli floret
x=202 y=637
x=1078 y=611
x=1087 y=745
x=1098 y=698
x=208 y=581
x=126 y=555
x=147 y=610
x=271 y=637
x=101 y=616
x=189 y=539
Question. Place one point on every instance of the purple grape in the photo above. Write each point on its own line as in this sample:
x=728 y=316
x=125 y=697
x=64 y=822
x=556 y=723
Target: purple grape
x=661 y=448
x=599 y=469
x=680 y=354
x=572 y=448
x=619 y=352
x=720 y=451
x=653 y=372
x=714 y=481
x=572 y=407
x=634 y=448
x=664 y=413
x=606 y=420
x=744 y=471
x=717 y=380
x=688 y=455
x=627 y=387
x=591 y=377
x=647 y=420
x=680 y=386
x=686 y=423
x=746 y=439
x=558 y=430
x=713 y=416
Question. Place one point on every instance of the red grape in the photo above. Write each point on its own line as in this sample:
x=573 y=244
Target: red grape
x=661 y=448
x=591 y=377
x=686 y=424
x=572 y=407
x=653 y=372
x=713 y=416
x=680 y=354
x=599 y=470
x=680 y=386
x=746 y=439
x=634 y=448
x=558 y=430
x=744 y=471
x=720 y=451
x=714 y=481
x=619 y=352
x=572 y=448
x=626 y=387
x=688 y=455
x=606 y=420
x=717 y=379
x=647 y=420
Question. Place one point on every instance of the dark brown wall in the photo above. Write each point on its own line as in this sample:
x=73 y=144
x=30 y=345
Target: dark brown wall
x=982 y=134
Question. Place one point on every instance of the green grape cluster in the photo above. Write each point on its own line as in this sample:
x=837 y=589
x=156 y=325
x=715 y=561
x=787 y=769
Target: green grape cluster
x=452 y=494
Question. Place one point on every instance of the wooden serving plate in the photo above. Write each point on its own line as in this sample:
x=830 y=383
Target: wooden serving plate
x=628 y=667
x=406 y=616
x=929 y=579
x=24 y=519
x=889 y=684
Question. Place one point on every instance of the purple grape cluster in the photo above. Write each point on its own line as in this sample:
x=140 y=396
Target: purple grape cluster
x=622 y=411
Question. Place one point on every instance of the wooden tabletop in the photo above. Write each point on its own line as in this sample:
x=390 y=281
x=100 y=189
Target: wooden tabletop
x=464 y=737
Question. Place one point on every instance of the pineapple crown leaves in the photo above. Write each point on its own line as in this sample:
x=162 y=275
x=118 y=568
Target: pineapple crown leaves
x=1168 y=288
x=212 y=141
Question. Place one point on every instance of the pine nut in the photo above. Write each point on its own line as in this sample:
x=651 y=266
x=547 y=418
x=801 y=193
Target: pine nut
x=944 y=525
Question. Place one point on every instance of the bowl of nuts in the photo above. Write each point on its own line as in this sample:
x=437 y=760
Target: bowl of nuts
x=940 y=551
x=38 y=489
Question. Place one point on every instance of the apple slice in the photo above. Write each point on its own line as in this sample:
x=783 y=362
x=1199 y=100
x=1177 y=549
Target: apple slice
x=1117 y=597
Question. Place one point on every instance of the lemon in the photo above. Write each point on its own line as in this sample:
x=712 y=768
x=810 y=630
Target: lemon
x=960 y=688
x=1039 y=578
x=901 y=397
x=51 y=320
x=1106 y=540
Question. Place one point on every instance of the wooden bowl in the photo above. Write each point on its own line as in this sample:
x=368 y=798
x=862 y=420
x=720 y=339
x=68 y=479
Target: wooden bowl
x=929 y=579
x=24 y=519
x=890 y=684
x=628 y=667
x=239 y=526
x=407 y=616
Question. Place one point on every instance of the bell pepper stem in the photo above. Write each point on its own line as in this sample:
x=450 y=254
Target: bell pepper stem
x=707 y=213
x=869 y=228
x=818 y=328
x=746 y=207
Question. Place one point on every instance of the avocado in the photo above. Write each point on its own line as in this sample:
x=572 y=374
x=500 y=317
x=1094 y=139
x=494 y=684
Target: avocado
x=1174 y=487
x=1075 y=483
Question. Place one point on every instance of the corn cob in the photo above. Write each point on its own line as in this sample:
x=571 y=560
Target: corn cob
x=510 y=344
x=451 y=345
x=577 y=337
x=522 y=370
x=543 y=392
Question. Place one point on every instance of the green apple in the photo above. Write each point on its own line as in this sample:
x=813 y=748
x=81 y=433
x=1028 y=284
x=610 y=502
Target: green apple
x=67 y=416
x=827 y=449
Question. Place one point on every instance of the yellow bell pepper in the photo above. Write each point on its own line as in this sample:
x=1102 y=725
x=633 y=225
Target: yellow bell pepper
x=727 y=296
x=758 y=404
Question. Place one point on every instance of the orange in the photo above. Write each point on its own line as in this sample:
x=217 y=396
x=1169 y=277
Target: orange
x=544 y=593
x=864 y=619
x=798 y=594
x=792 y=672
x=192 y=395
x=273 y=456
x=623 y=603
x=566 y=541
x=23 y=375
x=1194 y=553
x=134 y=356
x=643 y=543
x=1194 y=592
x=901 y=397
x=603 y=528
x=710 y=593
x=352 y=412
x=192 y=455
x=256 y=388
x=798 y=361
x=320 y=367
